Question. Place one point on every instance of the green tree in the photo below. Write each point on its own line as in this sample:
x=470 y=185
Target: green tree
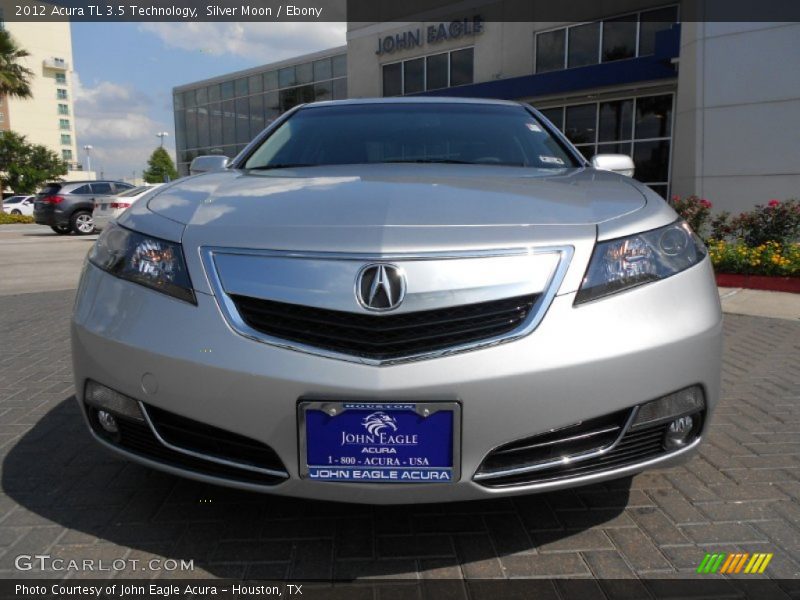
x=160 y=167
x=24 y=167
x=15 y=79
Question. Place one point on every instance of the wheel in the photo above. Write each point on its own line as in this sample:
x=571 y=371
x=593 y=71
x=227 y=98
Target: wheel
x=16 y=211
x=60 y=229
x=82 y=223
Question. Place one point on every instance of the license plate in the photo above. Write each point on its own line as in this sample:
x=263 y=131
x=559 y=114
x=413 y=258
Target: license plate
x=102 y=206
x=360 y=442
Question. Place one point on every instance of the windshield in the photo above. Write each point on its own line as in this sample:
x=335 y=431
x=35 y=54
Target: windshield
x=486 y=134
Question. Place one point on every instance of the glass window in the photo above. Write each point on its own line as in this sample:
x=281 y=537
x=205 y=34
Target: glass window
x=228 y=122
x=201 y=96
x=270 y=80
x=555 y=116
x=66 y=155
x=305 y=94
x=202 y=127
x=256 y=114
x=414 y=76
x=581 y=123
x=177 y=101
x=339 y=63
x=436 y=76
x=242 y=120
x=661 y=190
x=61 y=94
x=323 y=91
x=287 y=77
x=461 y=65
x=652 y=161
x=272 y=105
x=340 y=88
x=550 y=50
x=619 y=38
x=66 y=139
x=584 y=45
x=623 y=148
x=240 y=87
x=102 y=188
x=84 y=190
x=215 y=124
x=393 y=79
x=227 y=90
x=304 y=73
x=616 y=120
x=191 y=128
x=255 y=84
x=63 y=109
x=652 y=22
x=344 y=134
x=214 y=93
x=61 y=78
x=288 y=99
x=322 y=69
x=63 y=123
x=188 y=99
x=180 y=129
x=653 y=116
x=587 y=151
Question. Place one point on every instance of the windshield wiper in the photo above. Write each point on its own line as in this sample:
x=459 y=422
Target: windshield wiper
x=444 y=161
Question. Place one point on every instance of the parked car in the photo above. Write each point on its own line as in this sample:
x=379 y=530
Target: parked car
x=108 y=208
x=18 y=205
x=401 y=300
x=67 y=206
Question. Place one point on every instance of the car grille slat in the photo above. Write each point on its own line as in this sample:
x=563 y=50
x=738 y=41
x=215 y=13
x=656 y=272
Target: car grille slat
x=382 y=337
x=241 y=455
x=634 y=447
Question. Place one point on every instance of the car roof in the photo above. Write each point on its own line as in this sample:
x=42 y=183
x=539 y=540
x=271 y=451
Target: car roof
x=416 y=100
x=83 y=181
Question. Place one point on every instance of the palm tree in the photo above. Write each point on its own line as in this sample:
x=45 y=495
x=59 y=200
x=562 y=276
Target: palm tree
x=14 y=77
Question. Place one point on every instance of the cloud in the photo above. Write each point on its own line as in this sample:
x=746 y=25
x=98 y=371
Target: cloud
x=115 y=120
x=261 y=42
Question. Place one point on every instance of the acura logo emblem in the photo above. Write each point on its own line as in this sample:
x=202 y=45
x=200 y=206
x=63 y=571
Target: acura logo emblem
x=380 y=287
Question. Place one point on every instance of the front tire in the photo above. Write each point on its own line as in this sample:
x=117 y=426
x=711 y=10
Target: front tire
x=82 y=223
x=60 y=229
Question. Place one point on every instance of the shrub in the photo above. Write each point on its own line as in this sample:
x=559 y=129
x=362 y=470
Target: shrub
x=774 y=222
x=695 y=211
x=769 y=258
x=6 y=219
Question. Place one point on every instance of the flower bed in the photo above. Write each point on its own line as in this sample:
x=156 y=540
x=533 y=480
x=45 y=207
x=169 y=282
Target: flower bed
x=6 y=219
x=757 y=249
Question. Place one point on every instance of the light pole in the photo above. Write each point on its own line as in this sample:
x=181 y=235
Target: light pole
x=162 y=135
x=88 y=149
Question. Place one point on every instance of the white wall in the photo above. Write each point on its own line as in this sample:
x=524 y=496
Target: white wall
x=737 y=126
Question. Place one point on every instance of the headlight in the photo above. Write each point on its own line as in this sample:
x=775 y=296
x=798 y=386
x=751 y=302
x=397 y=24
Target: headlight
x=148 y=261
x=623 y=263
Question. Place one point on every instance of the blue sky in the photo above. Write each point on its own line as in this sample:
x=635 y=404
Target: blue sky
x=125 y=73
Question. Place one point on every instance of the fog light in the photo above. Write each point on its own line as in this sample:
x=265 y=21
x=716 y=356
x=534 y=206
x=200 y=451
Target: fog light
x=688 y=401
x=107 y=421
x=679 y=432
x=107 y=400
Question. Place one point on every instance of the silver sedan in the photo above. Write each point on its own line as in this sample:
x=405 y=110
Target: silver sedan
x=401 y=300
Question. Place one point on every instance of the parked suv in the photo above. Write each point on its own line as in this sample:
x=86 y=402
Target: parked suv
x=67 y=206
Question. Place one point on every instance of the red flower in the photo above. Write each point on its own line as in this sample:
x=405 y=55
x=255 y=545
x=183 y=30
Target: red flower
x=705 y=203
x=774 y=203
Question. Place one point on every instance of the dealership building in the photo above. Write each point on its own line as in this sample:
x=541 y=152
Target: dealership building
x=703 y=108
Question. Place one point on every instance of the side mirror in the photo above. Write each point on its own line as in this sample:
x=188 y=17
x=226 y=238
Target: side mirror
x=210 y=162
x=619 y=163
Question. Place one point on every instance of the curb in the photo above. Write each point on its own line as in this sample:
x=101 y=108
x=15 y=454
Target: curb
x=759 y=282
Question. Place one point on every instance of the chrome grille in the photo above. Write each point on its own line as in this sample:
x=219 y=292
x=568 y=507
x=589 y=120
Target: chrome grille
x=385 y=337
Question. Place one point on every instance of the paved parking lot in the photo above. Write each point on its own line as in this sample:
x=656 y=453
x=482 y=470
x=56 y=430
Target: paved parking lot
x=63 y=496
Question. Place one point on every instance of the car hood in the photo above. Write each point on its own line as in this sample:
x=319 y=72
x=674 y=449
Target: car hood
x=397 y=196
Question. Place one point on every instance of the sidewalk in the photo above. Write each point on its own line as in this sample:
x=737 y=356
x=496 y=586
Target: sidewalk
x=758 y=303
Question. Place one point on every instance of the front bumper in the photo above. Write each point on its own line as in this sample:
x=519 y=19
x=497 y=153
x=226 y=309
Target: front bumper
x=580 y=363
